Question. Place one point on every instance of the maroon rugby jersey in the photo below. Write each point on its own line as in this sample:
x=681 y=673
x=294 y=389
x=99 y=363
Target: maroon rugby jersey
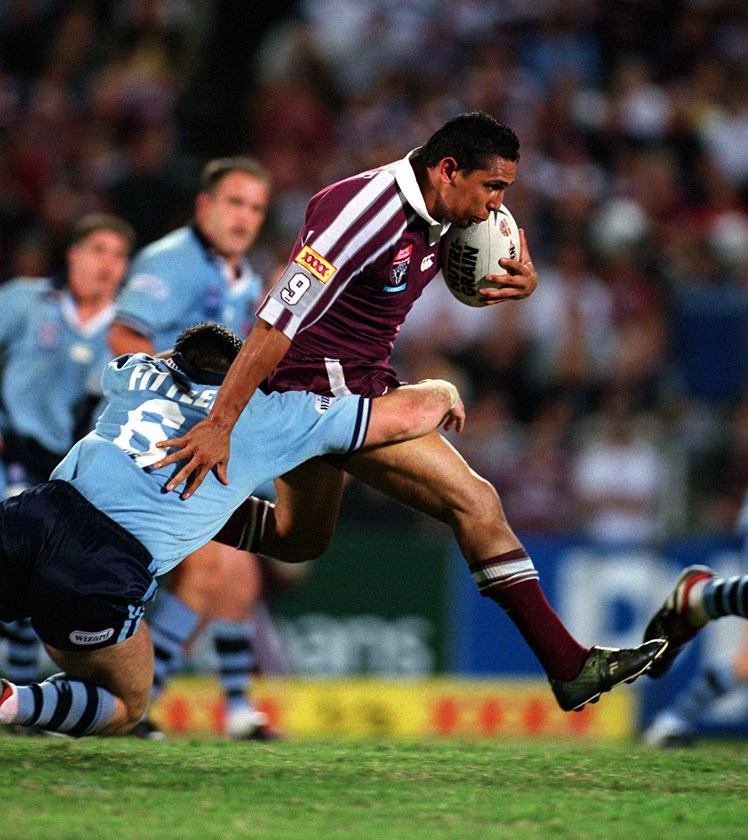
x=366 y=251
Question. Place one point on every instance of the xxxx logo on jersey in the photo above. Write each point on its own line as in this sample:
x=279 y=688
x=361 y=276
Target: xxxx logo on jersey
x=316 y=263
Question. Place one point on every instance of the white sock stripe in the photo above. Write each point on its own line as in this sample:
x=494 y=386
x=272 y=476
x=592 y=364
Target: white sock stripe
x=105 y=711
x=505 y=583
x=732 y=596
x=489 y=575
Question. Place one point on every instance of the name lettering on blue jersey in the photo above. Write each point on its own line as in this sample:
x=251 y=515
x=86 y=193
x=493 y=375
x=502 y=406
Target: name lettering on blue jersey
x=145 y=378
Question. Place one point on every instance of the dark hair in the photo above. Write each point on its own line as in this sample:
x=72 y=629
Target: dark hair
x=208 y=346
x=92 y=222
x=215 y=170
x=472 y=140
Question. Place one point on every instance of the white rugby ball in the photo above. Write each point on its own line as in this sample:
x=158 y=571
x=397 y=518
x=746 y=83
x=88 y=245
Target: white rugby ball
x=470 y=253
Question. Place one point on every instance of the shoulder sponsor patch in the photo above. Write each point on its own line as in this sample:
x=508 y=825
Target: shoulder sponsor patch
x=316 y=263
x=149 y=284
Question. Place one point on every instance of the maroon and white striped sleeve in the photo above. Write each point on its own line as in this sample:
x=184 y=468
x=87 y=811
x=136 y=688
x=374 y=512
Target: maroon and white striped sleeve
x=347 y=227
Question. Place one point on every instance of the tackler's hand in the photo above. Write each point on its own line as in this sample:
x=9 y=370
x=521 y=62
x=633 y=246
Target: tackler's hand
x=205 y=446
x=455 y=417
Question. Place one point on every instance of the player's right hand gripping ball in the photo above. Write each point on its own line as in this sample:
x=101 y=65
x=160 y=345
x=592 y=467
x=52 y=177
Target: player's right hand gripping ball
x=473 y=252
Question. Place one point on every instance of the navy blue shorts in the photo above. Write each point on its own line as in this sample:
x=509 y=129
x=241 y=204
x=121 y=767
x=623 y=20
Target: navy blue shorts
x=82 y=579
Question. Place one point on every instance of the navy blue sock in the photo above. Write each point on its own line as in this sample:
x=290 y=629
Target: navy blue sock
x=23 y=651
x=172 y=624
x=232 y=641
x=726 y=596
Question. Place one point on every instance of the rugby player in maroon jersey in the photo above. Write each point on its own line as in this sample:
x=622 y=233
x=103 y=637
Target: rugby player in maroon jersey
x=368 y=247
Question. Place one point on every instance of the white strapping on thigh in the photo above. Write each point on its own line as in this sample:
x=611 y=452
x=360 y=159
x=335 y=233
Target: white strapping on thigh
x=336 y=378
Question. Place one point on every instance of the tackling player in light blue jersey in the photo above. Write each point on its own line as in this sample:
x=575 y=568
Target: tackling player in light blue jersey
x=149 y=398
x=79 y=554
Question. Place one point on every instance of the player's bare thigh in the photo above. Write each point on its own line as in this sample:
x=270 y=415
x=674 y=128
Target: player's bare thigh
x=218 y=581
x=428 y=474
x=124 y=669
x=306 y=511
x=242 y=585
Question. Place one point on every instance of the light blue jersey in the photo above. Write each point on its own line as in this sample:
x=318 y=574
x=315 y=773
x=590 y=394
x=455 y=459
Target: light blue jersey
x=179 y=281
x=150 y=400
x=51 y=360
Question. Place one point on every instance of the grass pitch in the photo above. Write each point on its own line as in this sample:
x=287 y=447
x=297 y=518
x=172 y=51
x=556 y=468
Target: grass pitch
x=123 y=788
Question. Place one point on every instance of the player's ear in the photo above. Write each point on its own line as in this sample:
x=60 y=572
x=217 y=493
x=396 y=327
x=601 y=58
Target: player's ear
x=447 y=168
x=201 y=199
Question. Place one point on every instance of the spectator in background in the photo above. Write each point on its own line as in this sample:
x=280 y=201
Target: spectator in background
x=640 y=326
x=723 y=128
x=569 y=329
x=640 y=110
x=148 y=189
x=539 y=493
x=709 y=312
x=53 y=341
x=83 y=80
x=493 y=441
x=622 y=474
x=563 y=43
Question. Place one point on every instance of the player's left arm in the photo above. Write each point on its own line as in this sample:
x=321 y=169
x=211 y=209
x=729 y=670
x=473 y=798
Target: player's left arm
x=414 y=410
x=519 y=282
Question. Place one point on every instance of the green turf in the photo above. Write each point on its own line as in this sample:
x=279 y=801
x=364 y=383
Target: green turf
x=124 y=788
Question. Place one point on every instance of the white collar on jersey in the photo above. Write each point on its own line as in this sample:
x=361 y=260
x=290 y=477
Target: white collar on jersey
x=406 y=180
x=99 y=321
x=234 y=282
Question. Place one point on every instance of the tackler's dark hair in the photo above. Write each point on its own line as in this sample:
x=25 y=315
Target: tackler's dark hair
x=208 y=346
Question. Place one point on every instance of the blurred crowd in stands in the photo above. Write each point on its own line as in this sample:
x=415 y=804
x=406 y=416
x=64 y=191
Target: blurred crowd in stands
x=614 y=401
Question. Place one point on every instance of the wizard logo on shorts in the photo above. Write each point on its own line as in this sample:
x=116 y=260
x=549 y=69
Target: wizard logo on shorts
x=399 y=270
